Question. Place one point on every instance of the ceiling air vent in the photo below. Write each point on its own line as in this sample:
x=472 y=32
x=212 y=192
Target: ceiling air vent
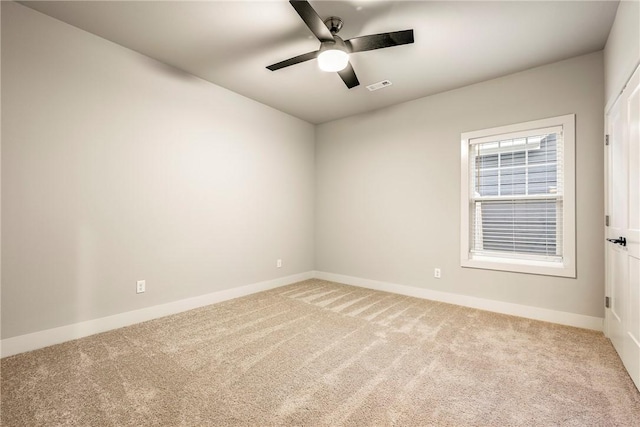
x=379 y=85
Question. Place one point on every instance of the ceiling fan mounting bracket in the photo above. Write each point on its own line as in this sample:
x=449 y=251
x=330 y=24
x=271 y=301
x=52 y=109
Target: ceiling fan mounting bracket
x=334 y=24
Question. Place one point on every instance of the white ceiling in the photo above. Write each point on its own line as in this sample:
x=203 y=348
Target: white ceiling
x=457 y=43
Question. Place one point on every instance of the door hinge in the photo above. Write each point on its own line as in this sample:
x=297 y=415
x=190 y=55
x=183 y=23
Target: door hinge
x=606 y=140
x=606 y=220
x=607 y=302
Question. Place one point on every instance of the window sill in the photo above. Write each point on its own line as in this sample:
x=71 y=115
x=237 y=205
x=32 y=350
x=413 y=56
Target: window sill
x=545 y=268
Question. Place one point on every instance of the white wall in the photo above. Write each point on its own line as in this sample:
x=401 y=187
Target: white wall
x=388 y=187
x=622 y=51
x=116 y=168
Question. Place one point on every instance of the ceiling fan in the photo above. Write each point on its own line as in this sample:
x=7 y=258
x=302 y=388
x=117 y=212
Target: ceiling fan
x=333 y=54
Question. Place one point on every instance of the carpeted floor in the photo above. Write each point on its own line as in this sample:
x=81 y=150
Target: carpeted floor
x=322 y=354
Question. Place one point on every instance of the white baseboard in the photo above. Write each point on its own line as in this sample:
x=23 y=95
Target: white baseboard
x=40 y=339
x=537 y=313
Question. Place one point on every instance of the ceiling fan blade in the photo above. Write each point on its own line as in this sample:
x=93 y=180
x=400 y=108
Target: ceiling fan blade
x=379 y=41
x=313 y=21
x=348 y=76
x=295 y=60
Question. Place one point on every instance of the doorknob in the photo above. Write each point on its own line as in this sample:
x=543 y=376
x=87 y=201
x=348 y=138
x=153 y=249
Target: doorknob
x=619 y=241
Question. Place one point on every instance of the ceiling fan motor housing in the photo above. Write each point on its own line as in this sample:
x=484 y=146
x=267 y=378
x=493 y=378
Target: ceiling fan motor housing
x=338 y=44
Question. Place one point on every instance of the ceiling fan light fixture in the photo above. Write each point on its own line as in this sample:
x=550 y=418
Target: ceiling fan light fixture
x=333 y=60
x=334 y=52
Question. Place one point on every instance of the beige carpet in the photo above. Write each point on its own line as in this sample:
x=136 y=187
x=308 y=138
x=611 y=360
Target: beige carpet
x=319 y=354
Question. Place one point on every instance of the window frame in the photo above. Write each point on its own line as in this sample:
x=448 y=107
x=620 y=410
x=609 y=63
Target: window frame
x=565 y=268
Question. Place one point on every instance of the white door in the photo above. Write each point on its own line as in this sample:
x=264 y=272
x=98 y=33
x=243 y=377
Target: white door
x=623 y=207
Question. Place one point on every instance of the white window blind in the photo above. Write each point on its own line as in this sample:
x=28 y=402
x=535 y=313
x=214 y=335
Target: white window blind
x=518 y=197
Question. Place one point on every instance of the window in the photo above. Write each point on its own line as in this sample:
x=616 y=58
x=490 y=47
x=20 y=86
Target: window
x=518 y=197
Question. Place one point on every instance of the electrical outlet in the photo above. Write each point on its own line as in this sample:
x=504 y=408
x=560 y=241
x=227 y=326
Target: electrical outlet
x=141 y=286
x=437 y=273
x=279 y=263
